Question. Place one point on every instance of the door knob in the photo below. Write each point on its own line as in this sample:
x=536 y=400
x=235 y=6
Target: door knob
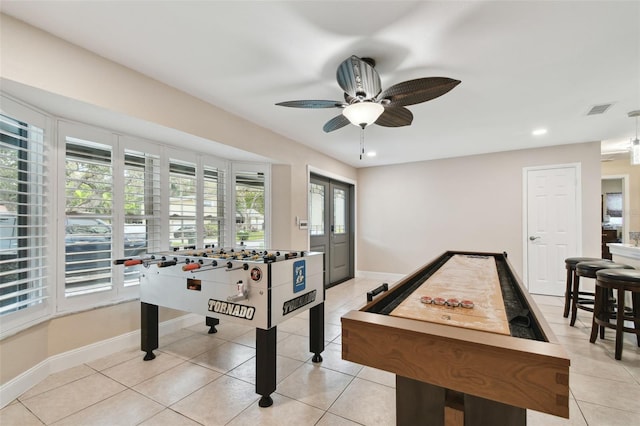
x=532 y=238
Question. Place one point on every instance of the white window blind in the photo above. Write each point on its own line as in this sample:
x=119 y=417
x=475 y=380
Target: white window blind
x=88 y=217
x=250 y=211
x=141 y=208
x=214 y=196
x=182 y=203
x=23 y=201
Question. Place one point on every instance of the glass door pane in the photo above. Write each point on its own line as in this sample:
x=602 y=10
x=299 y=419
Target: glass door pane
x=316 y=215
x=339 y=211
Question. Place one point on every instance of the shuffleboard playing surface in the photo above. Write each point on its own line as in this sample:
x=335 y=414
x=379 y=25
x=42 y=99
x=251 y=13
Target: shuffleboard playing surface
x=464 y=277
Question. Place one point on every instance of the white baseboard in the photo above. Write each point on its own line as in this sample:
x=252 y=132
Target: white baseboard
x=17 y=386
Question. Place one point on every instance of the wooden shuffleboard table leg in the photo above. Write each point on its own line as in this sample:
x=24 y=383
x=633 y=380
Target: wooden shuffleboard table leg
x=419 y=403
x=426 y=404
x=316 y=331
x=148 y=329
x=266 y=365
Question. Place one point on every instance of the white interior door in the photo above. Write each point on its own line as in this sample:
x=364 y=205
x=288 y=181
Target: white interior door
x=552 y=226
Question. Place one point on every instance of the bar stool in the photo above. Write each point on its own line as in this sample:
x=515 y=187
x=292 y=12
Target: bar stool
x=570 y=264
x=620 y=280
x=588 y=270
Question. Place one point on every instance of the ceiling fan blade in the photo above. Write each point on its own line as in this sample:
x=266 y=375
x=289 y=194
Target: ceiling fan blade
x=335 y=123
x=358 y=78
x=312 y=104
x=419 y=90
x=395 y=116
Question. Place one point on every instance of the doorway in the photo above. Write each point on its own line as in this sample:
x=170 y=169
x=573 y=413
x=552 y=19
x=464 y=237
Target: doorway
x=331 y=226
x=551 y=225
x=615 y=207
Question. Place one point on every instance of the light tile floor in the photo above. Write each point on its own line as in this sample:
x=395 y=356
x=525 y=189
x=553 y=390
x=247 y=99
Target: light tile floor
x=201 y=379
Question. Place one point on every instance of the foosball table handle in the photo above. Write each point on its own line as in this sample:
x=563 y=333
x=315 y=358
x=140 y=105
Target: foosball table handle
x=191 y=266
x=376 y=291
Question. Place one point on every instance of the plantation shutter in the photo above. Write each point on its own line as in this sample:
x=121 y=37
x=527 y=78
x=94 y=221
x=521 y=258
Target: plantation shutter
x=141 y=208
x=88 y=217
x=214 y=196
x=182 y=203
x=23 y=201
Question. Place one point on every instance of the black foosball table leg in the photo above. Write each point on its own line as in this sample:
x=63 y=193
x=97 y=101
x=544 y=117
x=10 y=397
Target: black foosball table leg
x=265 y=365
x=211 y=323
x=148 y=329
x=316 y=331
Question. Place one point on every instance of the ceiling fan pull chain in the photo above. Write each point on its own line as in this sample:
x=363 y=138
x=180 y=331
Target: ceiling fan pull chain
x=361 y=142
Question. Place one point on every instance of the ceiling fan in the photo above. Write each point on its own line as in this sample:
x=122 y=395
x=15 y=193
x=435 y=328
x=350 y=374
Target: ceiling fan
x=366 y=103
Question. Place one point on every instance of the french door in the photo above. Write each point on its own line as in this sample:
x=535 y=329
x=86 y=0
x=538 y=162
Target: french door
x=331 y=227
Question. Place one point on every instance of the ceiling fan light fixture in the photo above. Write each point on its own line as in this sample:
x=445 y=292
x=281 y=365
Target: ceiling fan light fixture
x=362 y=114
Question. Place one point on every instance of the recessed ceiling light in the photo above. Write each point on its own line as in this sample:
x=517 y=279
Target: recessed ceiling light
x=539 y=132
x=371 y=154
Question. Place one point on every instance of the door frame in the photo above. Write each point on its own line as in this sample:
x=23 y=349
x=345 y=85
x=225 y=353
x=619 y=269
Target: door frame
x=626 y=217
x=353 y=206
x=525 y=212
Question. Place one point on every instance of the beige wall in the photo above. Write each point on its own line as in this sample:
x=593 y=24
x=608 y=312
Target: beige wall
x=410 y=213
x=34 y=58
x=37 y=59
x=406 y=214
x=22 y=351
x=624 y=167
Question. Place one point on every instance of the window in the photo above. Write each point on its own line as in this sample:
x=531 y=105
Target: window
x=111 y=209
x=88 y=216
x=23 y=210
x=251 y=211
x=141 y=208
x=197 y=202
x=114 y=197
x=214 y=195
x=182 y=203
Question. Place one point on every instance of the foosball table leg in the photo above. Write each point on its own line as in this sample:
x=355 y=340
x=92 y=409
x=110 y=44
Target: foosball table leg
x=316 y=331
x=148 y=329
x=212 y=322
x=265 y=365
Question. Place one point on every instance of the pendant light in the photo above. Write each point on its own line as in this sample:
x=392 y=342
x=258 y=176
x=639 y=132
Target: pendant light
x=635 y=143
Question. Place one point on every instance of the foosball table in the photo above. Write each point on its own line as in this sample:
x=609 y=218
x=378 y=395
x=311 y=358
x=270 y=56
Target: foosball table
x=256 y=288
x=466 y=342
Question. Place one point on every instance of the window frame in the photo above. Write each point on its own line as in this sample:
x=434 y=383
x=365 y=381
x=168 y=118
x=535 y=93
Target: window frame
x=103 y=137
x=16 y=321
x=201 y=161
x=56 y=131
x=236 y=168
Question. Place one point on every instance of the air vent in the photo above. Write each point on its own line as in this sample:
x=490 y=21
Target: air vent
x=599 y=109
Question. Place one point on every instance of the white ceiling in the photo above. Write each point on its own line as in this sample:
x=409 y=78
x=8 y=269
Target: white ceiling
x=523 y=64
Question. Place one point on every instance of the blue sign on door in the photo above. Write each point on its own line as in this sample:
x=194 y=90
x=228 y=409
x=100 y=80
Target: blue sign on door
x=299 y=275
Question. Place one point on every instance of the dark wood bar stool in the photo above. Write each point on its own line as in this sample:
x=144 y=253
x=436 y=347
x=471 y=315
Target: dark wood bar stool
x=570 y=264
x=588 y=270
x=620 y=281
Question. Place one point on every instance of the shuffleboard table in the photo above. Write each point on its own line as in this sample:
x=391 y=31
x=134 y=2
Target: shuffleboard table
x=466 y=342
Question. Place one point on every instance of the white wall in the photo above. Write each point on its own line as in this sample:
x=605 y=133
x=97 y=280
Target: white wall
x=411 y=213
